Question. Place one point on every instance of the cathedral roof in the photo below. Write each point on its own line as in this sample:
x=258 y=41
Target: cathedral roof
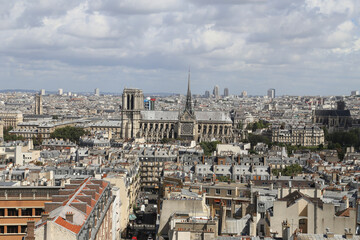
x=174 y=116
x=160 y=115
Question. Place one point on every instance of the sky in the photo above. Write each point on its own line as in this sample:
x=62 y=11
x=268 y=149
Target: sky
x=298 y=47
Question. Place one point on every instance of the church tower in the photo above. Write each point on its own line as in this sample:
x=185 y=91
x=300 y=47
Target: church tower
x=132 y=104
x=38 y=105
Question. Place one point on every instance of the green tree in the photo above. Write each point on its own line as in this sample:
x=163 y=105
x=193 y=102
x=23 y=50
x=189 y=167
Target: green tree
x=10 y=137
x=68 y=133
x=209 y=147
x=291 y=170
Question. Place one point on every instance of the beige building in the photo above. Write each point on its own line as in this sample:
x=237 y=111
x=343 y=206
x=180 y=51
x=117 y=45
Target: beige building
x=298 y=135
x=11 y=119
x=128 y=193
x=309 y=215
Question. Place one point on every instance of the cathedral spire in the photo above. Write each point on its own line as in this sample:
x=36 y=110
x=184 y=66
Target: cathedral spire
x=188 y=106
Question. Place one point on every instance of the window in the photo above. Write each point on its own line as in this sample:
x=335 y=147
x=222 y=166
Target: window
x=2 y=212
x=13 y=212
x=23 y=229
x=12 y=229
x=207 y=201
x=38 y=211
x=217 y=212
x=228 y=203
x=207 y=190
x=228 y=192
x=26 y=212
x=217 y=191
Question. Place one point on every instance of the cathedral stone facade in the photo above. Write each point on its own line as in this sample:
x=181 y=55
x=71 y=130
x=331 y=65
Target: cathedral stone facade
x=187 y=124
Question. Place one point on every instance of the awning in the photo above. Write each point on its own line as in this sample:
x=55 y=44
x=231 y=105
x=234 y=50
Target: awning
x=216 y=200
x=132 y=217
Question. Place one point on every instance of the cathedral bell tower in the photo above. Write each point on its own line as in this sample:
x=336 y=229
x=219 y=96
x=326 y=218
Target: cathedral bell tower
x=132 y=104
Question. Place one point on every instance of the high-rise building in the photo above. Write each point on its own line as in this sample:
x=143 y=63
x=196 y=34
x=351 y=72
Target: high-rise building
x=354 y=93
x=42 y=92
x=226 y=92
x=207 y=94
x=60 y=91
x=216 y=91
x=97 y=92
x=149 y=103
x=243 y=94
x=38 y=105
x=271 y=93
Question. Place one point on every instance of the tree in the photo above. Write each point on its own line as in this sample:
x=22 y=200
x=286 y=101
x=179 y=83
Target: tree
x=291 y=170
x=10 y=137
x=69 y=133
x=209 y=147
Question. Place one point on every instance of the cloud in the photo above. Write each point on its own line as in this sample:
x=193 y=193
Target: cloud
x=248 y=45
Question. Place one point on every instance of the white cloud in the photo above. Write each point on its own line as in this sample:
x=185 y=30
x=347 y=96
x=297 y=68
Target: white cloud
x=275 y=41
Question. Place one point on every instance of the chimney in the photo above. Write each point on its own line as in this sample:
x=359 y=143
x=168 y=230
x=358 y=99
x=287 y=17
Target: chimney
x=203 y=159
x=69 y=217
x=286 y=231
x=44 y=216
x=238 y=159
x=348 y=234
x=30 y=235
x=329 y=234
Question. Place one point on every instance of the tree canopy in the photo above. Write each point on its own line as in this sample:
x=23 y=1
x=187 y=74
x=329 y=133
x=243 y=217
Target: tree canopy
x=10 y=137
x=68 y=133
x=209 y=147
x=291 y=170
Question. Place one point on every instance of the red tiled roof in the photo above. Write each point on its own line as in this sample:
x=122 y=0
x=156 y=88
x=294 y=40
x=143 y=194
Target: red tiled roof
x=62 y=222
x=344 y=213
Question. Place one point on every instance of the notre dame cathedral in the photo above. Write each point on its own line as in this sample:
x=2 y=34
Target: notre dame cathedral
x=187 y=124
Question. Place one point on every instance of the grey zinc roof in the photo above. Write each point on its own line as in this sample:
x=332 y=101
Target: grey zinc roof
x=213 y=116
x=160 y=115
x=174 y=116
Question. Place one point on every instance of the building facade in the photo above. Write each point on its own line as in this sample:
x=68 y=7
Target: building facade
x=298 y=135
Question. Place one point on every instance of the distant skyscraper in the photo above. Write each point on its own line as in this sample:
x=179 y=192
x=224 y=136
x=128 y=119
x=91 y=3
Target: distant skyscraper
x=216 y=91
x=354 y=93
x=60 y=91
x=97 y=92
x=271 y=93
x=42 y=92
x=38 y=104
x=226 y=92
x=207 y=94
x=149 y=103
x=243 y=94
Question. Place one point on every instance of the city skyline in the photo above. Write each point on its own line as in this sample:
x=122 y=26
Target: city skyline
x=297 y=47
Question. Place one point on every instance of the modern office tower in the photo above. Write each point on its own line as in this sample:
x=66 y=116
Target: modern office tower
x=97 y=92
x=216 y=91
x=149 y=103
x=354 y=93
x=60 y=91
x=38 y=105
x=42 y=92
x=226 y=92
x=243 y=94
x=207 y=94
x=271 y=93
